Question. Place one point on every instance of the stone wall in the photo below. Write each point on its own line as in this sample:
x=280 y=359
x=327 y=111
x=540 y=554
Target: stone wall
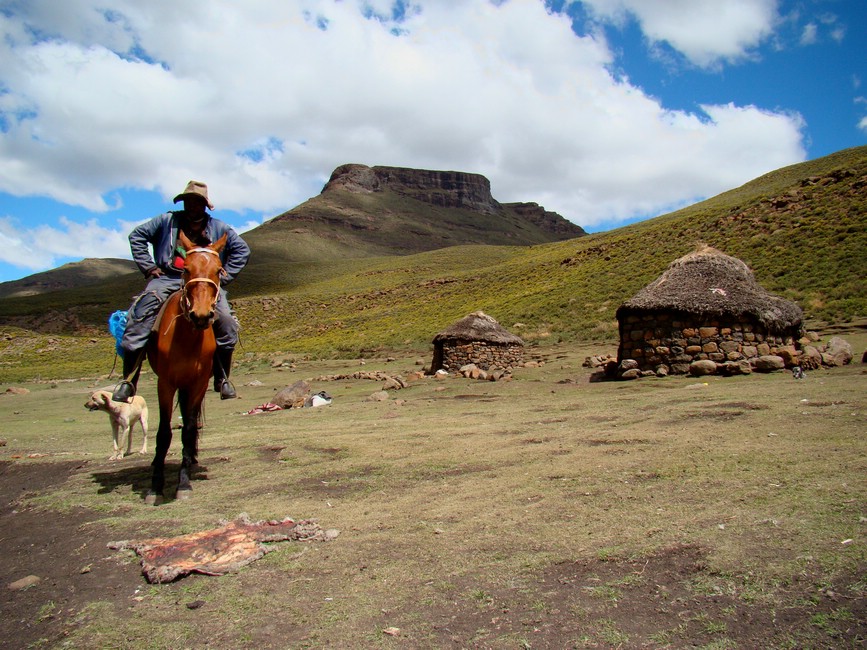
x=456 y=354
x=666 y=343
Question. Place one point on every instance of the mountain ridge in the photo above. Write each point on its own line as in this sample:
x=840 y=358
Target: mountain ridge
x=435 y=209
x=801 y=229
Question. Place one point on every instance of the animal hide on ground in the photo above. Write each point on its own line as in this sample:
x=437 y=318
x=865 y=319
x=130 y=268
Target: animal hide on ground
x=219 y=550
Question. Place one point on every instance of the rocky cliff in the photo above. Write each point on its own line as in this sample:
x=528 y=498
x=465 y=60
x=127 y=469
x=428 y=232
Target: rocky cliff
x=545 y=219
x=446 y=189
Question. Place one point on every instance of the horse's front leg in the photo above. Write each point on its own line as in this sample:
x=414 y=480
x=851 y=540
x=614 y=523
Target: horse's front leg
x=190 y=409
x=166 y=395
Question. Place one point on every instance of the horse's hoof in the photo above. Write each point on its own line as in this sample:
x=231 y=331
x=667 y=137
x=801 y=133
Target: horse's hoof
x=153 y=499
x=183 y=495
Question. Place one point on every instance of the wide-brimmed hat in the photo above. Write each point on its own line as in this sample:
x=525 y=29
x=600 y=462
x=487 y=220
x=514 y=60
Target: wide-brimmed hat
x=195 y=188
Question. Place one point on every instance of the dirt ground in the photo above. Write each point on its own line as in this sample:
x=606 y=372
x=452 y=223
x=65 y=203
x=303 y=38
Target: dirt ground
x=547 y=512
x=602 y=602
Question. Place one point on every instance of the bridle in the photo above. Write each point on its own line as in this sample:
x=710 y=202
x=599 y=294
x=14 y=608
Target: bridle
x=185 y=303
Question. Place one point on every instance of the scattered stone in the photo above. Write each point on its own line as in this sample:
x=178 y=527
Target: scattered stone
x=379 y=396
x=24 y=583
x=731 y=368
x=373 y=375
x=702 y=367
x=837 y=353
x=811 y=358
x=282 y=363
x=597 y=361
x=628 y=364
x=17 y=390
x=789 y=354
x=768 y=363
x=496 y=374
x=472 y=371
x=293 y=395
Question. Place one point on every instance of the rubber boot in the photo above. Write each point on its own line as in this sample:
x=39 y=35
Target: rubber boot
x=222 y=368
x=125 y=390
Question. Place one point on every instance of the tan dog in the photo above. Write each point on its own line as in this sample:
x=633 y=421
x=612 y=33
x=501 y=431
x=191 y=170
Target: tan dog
x=123 y=417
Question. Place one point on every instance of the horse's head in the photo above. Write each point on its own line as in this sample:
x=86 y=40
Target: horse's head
x=201 y=286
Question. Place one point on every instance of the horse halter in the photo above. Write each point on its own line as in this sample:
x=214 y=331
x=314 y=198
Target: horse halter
x=185 y=303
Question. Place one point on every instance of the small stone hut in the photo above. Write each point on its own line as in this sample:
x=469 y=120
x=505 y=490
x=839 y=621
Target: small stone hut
x=706 y=305
x=477 y=339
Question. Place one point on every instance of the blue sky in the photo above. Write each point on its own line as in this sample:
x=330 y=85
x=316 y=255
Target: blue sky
x=606 y=111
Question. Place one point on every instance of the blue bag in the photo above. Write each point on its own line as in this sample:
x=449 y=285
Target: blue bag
x=116 y=325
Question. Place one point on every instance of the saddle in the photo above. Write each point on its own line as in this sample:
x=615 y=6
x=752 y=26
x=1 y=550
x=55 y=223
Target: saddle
x=159 y=319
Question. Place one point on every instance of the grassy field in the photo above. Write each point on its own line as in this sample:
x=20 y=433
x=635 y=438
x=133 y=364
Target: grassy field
x=543 y=512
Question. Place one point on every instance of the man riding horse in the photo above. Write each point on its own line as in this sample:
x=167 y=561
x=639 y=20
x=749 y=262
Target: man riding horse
x=164 y=271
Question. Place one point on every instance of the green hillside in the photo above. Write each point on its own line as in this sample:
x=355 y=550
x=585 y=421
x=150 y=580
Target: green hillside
x=69 y=276
x=802 y=229
x=315 y=238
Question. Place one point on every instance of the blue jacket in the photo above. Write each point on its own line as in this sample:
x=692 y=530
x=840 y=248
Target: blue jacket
x=161 y=233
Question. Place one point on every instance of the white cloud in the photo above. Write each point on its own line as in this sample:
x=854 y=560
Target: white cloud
x=707 y=32
x=248 y=225
x=809 y=35
x=262 y=100
x=44 y=246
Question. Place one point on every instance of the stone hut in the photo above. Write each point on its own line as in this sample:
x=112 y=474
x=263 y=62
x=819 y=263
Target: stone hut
x=477 y=339
x=706 y=306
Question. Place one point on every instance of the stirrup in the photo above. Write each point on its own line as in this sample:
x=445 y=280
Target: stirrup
x=123 y=392
x=227 y=391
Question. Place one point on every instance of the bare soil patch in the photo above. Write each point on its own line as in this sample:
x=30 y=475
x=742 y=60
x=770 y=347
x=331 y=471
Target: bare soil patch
x=671 y=599
x=66 y=551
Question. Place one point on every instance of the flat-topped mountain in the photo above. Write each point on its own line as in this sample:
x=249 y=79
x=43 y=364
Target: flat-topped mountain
x=364 y=211
x=447 y=189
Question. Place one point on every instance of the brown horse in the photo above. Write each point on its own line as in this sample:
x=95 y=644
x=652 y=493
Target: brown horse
x=181 y=354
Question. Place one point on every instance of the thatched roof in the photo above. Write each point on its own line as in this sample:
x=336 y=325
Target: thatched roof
x=478 y=326
x=707 y=282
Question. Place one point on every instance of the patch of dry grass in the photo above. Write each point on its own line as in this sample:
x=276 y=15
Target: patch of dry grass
x=454 y=498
